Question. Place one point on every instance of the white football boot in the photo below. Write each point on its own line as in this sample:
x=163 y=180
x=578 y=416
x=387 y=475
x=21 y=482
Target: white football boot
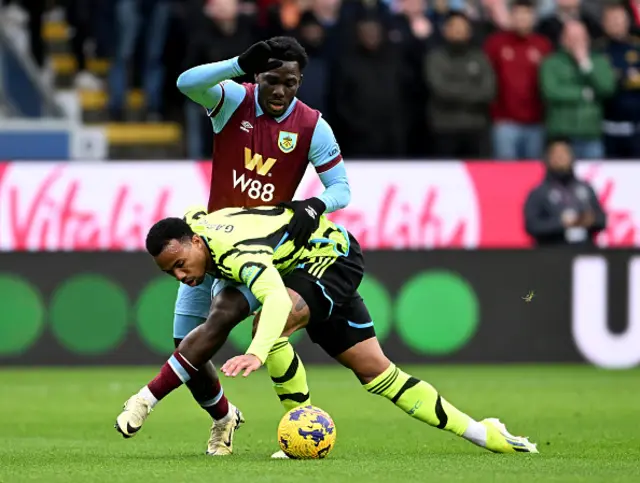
x=131 y=419
x=221 y=441
x=280 y=455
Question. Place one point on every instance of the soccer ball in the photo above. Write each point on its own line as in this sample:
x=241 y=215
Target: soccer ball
x=306 y=432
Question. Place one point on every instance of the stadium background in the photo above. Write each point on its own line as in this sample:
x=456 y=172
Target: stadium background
x=449 y=262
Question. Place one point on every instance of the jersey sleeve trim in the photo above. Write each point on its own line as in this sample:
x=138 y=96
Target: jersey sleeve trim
x=216 y=110
x=331 y=164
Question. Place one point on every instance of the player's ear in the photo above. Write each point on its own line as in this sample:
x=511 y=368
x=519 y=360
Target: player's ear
x=300 y=81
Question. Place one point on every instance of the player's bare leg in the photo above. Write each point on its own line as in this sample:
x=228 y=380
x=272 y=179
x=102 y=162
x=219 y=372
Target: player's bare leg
x=228 y=309
x=208 y=393
x=419 y=399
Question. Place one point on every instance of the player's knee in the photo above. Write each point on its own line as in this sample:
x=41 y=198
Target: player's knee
x=368 y=370
x=366 y=359
x=228 y=309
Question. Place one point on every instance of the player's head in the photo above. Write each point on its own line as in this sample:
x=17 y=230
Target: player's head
x=559 y=157
x=523 y=16
x=178 y=251
x=278 y=87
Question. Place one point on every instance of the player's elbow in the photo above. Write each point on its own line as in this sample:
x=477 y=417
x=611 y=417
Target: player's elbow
x=185 y=82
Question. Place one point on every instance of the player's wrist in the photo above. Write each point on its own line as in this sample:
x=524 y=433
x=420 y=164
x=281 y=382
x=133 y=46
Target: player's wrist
x=317 y=204
x=253 y=353
x=236 y=66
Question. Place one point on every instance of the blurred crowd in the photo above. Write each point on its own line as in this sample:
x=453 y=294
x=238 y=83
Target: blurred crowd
x=394 y=78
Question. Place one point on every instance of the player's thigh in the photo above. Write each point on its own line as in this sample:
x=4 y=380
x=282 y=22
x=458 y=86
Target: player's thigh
x=231 y=303
x=349 y=336
x=192 y=307
x=225 y=287
x=298 y=317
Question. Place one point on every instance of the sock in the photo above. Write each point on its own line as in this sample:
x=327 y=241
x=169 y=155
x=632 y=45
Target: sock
x=176 y=371
x=420 y=400
x=217 y=406
x=288 y=375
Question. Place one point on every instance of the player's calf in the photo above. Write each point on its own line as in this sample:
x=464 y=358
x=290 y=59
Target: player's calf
x=283 y=363
x=422 y=401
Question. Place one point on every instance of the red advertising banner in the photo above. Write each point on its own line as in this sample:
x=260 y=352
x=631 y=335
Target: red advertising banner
x=75 y=206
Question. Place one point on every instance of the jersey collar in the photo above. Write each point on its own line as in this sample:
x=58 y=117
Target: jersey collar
x=278 y=119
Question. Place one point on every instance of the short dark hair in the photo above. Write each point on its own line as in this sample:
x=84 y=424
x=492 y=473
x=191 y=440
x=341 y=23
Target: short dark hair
x=288 y=49
x=164 y=231
x=552 y=141
x=456 y=14
x=522 y=3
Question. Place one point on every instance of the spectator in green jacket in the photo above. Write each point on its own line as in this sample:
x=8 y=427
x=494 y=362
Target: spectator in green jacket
x=575 y=82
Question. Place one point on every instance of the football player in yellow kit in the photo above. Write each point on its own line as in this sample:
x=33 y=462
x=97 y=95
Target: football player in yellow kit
x=250 y=246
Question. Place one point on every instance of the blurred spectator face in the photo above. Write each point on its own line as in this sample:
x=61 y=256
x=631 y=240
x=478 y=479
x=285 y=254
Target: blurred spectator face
x=568 y=5
x=522 y=19
x=326 y=6
x=457 y=30
x=369 y=34
x=222 y=10
x=560 y=157
x=311 y=35
x=412 y=8
x=574 y=36
x=615 y=22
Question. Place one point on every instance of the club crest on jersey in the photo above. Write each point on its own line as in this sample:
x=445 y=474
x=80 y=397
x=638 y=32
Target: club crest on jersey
x=287 y=141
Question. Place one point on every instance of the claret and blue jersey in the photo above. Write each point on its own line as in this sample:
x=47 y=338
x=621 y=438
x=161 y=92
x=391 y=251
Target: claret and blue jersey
x=258 y=159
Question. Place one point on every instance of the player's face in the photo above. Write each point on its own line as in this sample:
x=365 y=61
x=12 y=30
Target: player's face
x=186 y=261
x=278 y=87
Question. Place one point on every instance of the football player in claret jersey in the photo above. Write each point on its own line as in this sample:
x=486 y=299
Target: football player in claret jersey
x=251 y=246
x=265 y=139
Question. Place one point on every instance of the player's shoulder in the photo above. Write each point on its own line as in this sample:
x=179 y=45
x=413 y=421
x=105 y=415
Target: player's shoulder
x=306 y=114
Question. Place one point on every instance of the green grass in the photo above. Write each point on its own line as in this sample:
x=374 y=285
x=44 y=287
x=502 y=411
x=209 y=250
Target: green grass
x=56 y=425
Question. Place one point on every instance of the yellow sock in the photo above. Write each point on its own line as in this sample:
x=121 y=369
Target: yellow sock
x=288 y=375
x=419 y=400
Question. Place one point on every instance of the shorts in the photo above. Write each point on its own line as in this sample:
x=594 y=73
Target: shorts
x=339 y=317
x=193 y=303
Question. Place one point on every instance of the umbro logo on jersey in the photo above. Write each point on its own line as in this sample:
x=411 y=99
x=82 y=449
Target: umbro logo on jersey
x=245 y=126
x=311 y=212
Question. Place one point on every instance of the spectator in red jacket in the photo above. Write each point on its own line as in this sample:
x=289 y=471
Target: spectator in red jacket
x=517 y=110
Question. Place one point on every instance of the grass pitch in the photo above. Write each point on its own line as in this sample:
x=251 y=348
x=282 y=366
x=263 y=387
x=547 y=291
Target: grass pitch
x=56 y=425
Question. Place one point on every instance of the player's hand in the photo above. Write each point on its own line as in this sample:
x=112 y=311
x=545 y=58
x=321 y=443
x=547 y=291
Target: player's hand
x=305 y=220
x=247 y=363
x=256 y=59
